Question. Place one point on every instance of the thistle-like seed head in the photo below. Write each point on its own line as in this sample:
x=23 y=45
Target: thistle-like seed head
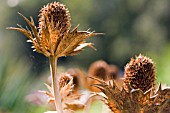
x=54 y=36
x=54 y=22
x=98 y=69
x=140 y=73
x=64 y=79
x=135 y=101
x=56 y=16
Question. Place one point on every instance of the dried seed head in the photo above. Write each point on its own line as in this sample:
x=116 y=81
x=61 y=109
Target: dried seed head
x=140 y=73
x=99 y=69
x=135 y=101
x=64 y=79
x=56 y=16
x=54 y=22
x=54 y=38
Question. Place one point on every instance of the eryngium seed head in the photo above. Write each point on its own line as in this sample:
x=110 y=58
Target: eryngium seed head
x=98 y=69
x=56 y=15
x=140 y=73
x=64 y=79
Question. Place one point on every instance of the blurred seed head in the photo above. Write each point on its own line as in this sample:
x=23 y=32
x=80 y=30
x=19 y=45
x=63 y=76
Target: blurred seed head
x=101 y=70
x=98 y=69
x=64 y=79
x=140 y=73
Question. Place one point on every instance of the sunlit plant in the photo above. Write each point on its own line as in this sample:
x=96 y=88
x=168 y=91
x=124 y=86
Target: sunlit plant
x=54 y=38
x=135 y=93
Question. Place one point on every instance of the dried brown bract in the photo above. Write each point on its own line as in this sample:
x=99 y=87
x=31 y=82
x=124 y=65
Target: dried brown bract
x=140 y=73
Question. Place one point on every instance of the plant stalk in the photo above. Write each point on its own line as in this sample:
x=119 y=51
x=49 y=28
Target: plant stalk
x=55 y=84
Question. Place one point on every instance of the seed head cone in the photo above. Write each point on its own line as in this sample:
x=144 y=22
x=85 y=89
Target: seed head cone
x=64 y=79
x=54 y=22
x=54 y=13
x=140 y=73
x=98 y=69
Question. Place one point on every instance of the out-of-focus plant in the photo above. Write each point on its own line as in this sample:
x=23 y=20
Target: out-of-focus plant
x=16 y=80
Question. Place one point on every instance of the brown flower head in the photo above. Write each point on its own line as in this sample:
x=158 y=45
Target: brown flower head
x=98 y=69
x=134 y=101
x=54 y=37
x=70 y=100
x=64 y=79
x=55 y=14
x=140 y=73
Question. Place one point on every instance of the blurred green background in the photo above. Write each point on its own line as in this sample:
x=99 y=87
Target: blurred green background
x=130 y=26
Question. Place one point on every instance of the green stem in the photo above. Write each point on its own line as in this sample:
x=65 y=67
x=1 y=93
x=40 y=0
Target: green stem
x=55 y=85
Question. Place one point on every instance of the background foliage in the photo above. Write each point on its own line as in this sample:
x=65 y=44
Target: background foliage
x=130 y=26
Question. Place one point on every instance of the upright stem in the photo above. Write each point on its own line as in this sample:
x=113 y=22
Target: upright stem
x=55 y=85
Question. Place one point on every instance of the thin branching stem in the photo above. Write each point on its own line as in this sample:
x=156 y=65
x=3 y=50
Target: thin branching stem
x=55 y=84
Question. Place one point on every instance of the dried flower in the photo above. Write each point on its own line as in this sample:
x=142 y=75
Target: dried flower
x=70 y=100
x=98 y=69
x=140 y=73
x=138 y=95
x=54 y=37
x=135 y=101
x=57 y=15
x=64 y=79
